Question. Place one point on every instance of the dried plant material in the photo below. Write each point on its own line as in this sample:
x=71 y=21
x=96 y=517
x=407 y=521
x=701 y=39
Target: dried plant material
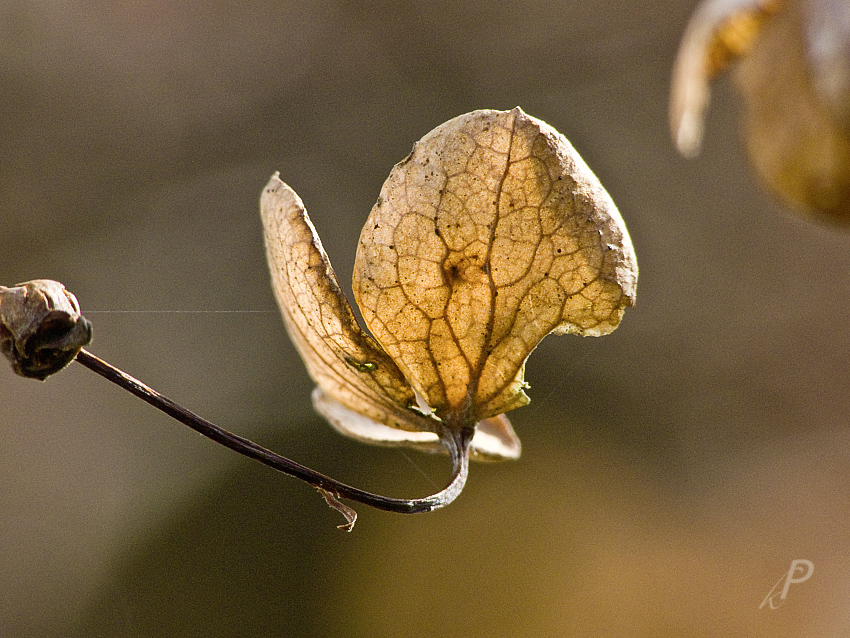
x=489 y=236
x=494 y=440
x=361 y=391
x=794 y=74
x=492 y=234
x=718 y=34
x=41 y=329
x=333 y=501
x=343 y=360
x=796 y=89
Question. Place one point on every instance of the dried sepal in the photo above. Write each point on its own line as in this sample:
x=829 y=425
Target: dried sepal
x=494 y=440
x=492 y=234
x=343 y=360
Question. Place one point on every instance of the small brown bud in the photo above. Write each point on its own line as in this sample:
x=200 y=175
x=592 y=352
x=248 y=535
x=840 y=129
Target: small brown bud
x=41 y=328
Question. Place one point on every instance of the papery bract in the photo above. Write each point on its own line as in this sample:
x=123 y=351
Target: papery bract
x=490 y=235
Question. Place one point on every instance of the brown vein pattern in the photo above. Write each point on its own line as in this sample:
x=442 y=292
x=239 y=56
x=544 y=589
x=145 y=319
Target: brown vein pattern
x=489 y=236
x=344 y=361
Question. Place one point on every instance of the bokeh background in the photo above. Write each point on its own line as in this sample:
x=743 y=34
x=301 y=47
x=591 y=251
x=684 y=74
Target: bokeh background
x=670 y=472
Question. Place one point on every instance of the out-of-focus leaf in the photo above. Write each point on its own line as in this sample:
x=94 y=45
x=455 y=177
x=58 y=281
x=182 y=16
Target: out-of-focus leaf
x=718 y=33
x=794 y=75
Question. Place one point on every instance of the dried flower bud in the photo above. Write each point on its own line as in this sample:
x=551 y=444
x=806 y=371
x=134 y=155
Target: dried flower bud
x=41 y=328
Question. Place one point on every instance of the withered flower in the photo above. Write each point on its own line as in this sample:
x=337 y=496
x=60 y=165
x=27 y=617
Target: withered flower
x=490 y=235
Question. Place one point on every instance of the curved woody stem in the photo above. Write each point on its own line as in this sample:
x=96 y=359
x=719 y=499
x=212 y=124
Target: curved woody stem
x=456 y=442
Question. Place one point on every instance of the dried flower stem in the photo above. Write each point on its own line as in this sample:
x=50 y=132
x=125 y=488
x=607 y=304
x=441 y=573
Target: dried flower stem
x=458 y=447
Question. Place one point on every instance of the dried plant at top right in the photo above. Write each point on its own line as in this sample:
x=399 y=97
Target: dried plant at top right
x=792 y=62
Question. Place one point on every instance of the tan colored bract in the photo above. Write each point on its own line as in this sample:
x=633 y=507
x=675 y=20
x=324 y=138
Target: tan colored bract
x=490 y=235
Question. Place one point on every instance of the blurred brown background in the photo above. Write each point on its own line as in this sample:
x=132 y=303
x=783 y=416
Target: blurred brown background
x=670 y=473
